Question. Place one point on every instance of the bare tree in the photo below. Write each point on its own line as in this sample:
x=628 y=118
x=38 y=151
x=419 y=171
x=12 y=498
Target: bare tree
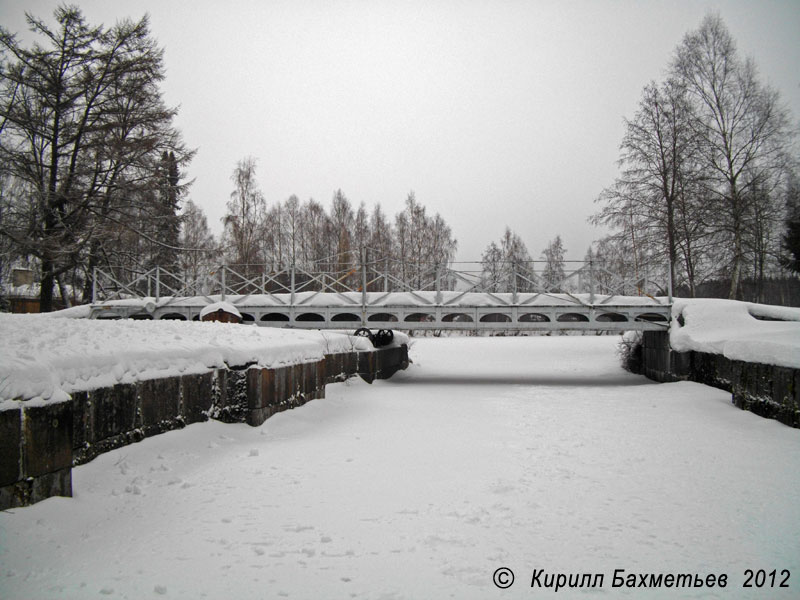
x=741 y=125
x=342 y=221
x=83 y=127
x=704 y=161
x=658 y=161
x=200 y=250
x=507 y=266
x=381 y=243
x=244 y=220
x=293 y=230
x=553 y=273
x=492 y=264
x=318 y=231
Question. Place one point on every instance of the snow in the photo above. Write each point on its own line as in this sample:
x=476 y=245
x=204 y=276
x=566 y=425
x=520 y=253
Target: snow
x=730 y=328
x=223 y=306
x=82 y=311
x=46 y=358
x=519 y=452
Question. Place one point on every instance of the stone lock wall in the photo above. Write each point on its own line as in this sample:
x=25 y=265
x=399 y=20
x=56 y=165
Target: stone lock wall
x=35 y=453
x=40 y=442
x=766 y=390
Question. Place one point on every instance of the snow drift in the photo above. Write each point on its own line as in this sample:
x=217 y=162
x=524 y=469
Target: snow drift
x=737 y=330
x=45 y=358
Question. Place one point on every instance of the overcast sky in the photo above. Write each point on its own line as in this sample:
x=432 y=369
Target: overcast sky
x=494 y=113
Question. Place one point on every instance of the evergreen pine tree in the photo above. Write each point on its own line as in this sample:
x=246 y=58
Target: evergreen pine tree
x=791 y=238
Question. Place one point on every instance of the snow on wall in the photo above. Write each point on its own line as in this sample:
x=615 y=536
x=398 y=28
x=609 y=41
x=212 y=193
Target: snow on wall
x=730 y=328
x=224 y=306
x=43 y=358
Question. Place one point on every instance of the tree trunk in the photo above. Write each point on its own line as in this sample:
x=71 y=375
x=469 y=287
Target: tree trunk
x=46 y=286
x=62 y=290
x=673 y=251
x=736 y=270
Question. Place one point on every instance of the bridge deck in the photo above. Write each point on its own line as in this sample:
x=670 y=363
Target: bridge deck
x=447 y=310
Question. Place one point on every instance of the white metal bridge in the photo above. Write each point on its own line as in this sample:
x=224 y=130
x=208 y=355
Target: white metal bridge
x=380 y=294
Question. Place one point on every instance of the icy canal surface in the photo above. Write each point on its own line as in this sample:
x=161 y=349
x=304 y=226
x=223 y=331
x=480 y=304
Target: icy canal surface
x=525 y=453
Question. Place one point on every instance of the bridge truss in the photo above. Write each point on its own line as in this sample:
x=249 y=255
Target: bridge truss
x=378 y=294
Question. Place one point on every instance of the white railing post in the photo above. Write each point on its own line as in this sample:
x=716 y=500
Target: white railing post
x=363 y=286
x=514 y=289
x=438 y=283
x=292 y=272
x=591 y=281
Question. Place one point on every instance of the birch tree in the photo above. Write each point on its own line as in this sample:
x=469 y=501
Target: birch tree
x=244 y=221
x=742 y=129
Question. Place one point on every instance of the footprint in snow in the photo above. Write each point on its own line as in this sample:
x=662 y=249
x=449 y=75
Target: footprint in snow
x=299 y=528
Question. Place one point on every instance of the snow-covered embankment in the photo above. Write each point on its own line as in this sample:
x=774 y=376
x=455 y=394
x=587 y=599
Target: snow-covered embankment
x=750 y=350
x=73 y=389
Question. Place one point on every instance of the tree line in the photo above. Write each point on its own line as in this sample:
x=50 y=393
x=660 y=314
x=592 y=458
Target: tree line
x=508 y=266
x=308 y=239
x=708 y=174
x=92 y=175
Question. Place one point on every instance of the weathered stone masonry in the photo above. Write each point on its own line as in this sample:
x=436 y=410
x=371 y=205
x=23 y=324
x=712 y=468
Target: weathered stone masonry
x=766 y=390
x=41 y=442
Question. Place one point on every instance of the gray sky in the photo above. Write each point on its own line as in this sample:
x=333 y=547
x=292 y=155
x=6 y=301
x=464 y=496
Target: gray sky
x=494 y=113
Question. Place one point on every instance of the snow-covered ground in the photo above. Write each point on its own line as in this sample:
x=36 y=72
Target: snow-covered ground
x=47 y=357
x=525 y=453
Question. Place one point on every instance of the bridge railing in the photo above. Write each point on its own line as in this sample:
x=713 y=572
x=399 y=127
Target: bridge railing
x=291 y=284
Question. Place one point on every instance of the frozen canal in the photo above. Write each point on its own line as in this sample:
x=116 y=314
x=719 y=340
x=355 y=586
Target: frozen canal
x=523 y=453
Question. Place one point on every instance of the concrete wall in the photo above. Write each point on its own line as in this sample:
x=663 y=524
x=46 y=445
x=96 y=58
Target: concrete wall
x=766 y=390
x=39 y=443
